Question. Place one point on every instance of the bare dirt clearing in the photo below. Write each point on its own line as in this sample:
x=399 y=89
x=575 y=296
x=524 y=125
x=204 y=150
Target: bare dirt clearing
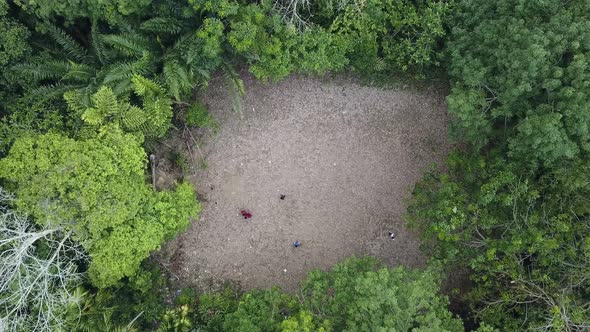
x=344 y=155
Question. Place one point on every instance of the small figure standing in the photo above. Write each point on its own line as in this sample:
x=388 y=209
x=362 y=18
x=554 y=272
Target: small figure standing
x=246 y=214
x=296 y=244
x=392 y=235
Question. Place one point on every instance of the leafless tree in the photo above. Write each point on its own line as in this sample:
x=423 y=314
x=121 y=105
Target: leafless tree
x=38 y=272
x=290 y=11
x=297 y=12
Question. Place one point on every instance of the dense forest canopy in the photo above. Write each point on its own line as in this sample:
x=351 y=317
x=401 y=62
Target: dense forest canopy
x=514 y=205
x=87 y=87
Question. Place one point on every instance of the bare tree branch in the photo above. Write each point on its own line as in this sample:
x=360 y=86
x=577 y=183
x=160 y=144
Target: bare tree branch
x=38 y=269
x=290 y=11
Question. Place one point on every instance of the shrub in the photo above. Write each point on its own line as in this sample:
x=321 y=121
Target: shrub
x=356 y=295
x=392 y=35
x=198 y=116
x=96 y=188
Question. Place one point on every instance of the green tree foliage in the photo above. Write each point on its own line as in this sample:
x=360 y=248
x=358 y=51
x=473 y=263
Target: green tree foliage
x=512 y=209
x=96 y=187
x=82 y=69
x=114 y=11
x=302 y=322
x=156 y=51
x=373 y=36
x=14 y=47
x=513 y=206
x=197 y=115
x=274 y=50
x=13 y=41
x=356 y=295
x=221 y=8
x=525 y=239
x=521 y=72
x=212 y=308
x=260 y=311
x=396 y=35
x=362 y=295
x=26 y=115
x=391 y=35
x=152 y=120
x=133 y=302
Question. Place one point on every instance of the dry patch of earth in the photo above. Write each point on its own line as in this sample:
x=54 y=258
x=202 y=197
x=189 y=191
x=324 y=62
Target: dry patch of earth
x=344 y=155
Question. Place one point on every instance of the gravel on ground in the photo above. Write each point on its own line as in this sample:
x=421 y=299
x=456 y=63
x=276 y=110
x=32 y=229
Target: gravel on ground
x=345 y=156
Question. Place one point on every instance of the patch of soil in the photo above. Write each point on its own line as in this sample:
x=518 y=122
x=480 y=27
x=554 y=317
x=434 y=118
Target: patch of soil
x=344 y=155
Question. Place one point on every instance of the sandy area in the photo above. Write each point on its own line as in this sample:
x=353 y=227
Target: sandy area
x=344 y=155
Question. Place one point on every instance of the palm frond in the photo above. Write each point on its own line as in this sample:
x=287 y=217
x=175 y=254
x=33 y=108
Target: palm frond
x=236 y=84
x=105 y=106
x=125 y=70
x=180 y=44
x=130 y=44
x=79 y=72
x=122 y=87
x=233 y=77
x=118 y=76
x=177 y=79
x=51 y=91
x=133 y=118
x=159 y=114
x=85 y=94
x=145 y=87
x=151 y=120
x=156 y=106
x=118 y=72
x=80 y=99
x=87 y=131
x=42 y=71
x=97 y=45
x=105 y=101
x=169 y=25
x=191 y=54
x=73 y=99
x=93 y=116
x=72 y=48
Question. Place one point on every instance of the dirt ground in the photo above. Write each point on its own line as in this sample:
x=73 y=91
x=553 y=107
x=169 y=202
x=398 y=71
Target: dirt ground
x=344 y=155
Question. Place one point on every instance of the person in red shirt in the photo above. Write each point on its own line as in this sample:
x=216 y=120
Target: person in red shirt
x=246 y=214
